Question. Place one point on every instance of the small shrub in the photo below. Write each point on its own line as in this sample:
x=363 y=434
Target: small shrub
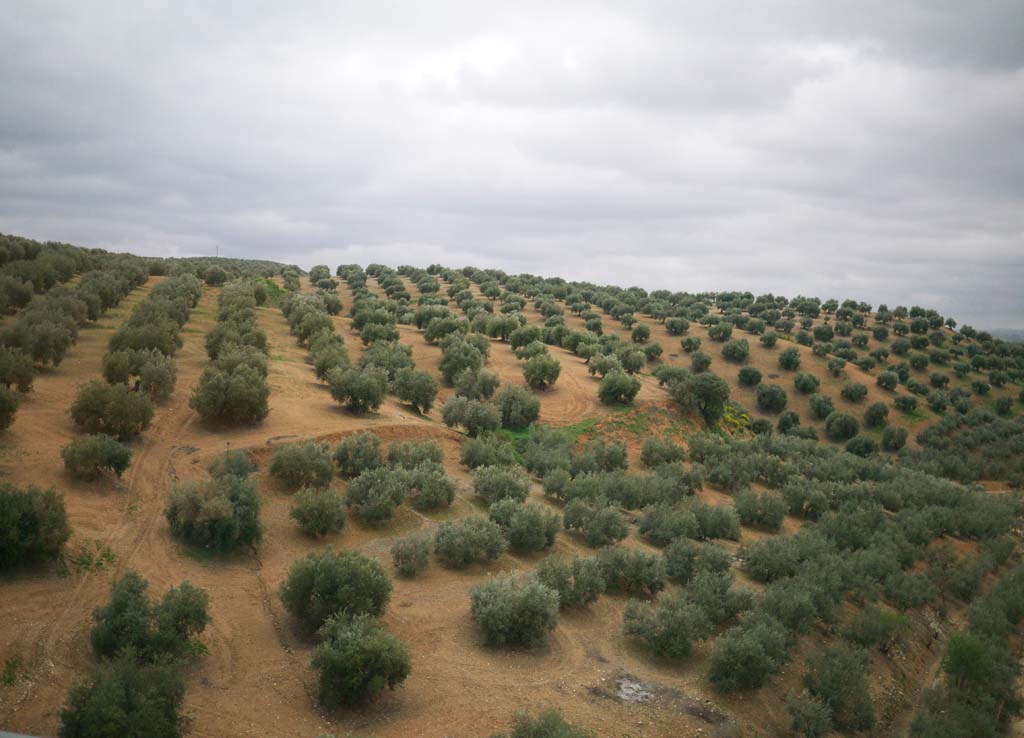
x=357 y=658
x=231 y=463
x=305 y=464
x=87 y=457
x=318 y=511
x=411 y=555
x=514 y=612
x=547 y=724
x=458 y=544
x=322 y=585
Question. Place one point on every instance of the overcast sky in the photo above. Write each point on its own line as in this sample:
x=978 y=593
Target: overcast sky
x=867 y=149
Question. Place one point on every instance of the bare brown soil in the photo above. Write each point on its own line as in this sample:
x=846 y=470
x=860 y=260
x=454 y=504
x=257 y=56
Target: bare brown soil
x=255 y=679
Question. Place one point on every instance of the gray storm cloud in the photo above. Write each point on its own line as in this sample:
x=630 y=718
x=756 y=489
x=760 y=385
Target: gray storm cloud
x=872 y=150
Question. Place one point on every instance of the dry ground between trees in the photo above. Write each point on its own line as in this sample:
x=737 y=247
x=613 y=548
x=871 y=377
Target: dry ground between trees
x=255 y=679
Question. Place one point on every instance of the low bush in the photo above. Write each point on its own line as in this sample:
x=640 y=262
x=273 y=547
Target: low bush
x=357 y=659
x=89 y=456
x=233 y=463
x=514 y=612
x=220 y=514
x=318 y=511
x=411 y=555
x=306 y=464
x=33 y=525
x=547 y=724
x=325 y=584
x=458 y=544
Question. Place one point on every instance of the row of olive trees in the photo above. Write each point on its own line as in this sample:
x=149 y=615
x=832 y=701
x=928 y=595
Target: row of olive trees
x=48 y=326
x=233 y=389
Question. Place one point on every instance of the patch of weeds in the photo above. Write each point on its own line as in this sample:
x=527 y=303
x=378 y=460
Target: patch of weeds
x=89 y=556
x=11 y=668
